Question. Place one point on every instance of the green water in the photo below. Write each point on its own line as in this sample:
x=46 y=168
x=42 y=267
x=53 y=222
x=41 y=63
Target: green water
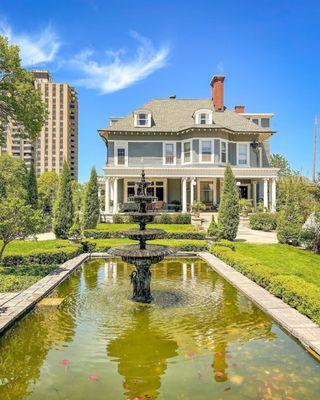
x=200 y=339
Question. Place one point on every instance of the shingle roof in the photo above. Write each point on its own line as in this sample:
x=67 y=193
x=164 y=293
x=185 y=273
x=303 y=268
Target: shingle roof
x=174 y=115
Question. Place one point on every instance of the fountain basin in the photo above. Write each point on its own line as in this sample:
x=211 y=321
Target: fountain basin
x=148 y=234
x=133 y=252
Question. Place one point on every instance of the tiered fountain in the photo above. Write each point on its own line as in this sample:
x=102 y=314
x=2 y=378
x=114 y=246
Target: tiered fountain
x=142 y=255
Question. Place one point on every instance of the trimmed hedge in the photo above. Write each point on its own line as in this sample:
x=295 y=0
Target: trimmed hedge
x=166 y=218
x=99 y=234
x=49 y=256
x=15 y=283
x=263 y=221
x=296 y=292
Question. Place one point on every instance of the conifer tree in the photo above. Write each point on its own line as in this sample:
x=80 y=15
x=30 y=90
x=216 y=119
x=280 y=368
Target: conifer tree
x=228 y=217
x=91 y=209
x=63 y=209
x=290 y=219
x=32 y=188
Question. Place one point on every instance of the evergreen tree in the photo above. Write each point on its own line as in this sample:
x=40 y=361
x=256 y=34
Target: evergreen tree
x=32 y=188
x=290 y=219
x=63 y=209
x=228 y=217
x=91 y=209
x=213 y=230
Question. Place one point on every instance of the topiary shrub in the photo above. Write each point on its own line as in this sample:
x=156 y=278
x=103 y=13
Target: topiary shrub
x=228 y=217
x=122 y=219
x=264 y=221
x=213 y=230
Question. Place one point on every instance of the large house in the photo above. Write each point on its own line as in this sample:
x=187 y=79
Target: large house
x=183 y=145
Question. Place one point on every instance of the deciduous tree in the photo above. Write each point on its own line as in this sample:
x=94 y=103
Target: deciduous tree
x=48 y=185
x=20 y=101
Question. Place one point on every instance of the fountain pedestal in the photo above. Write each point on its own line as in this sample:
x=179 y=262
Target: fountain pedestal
x=142 y=256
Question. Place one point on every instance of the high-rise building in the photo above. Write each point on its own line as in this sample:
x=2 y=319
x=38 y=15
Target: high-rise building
x=58 y=139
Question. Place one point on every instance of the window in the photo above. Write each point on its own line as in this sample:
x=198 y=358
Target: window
x=121 y=153
x=155 y=189
x=223 y=149
x=186 y=152
x=243 y=154
x=206 y=151
x=121 y=156
x=203 y=117
x=265 y=122
x=169 y=153
x=255 y=121
x=142 y=119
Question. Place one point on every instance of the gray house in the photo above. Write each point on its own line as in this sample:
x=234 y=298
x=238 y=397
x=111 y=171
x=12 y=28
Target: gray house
x=183 y=146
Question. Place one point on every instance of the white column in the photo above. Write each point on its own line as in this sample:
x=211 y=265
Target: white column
x=273 y=195
x=184 y=195
x=192 y=184
x=111 y=189
x=254 y=194
x=265 y=194
x=115 y=196
x=107 y=196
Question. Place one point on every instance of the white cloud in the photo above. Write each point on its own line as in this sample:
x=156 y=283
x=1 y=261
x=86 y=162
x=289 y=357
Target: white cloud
x=220 y=67
x=115 y=73
x=35 y=49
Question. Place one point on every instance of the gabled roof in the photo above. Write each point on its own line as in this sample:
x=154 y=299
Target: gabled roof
x=176 y=115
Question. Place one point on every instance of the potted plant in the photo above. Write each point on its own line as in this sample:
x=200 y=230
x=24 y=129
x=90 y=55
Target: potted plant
x=197 y=207
x=245 y=207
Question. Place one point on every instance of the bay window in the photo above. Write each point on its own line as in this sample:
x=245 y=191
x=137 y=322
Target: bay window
x=243 y=154
x=206 y=151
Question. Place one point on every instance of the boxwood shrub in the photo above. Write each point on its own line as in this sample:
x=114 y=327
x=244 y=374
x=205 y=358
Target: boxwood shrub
x=296 y=292
x=15 y=283
x=165 y=218
x=263 y=221
x=49 y=256
x=99 y=234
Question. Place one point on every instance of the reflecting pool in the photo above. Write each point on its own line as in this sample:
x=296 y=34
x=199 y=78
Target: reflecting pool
x=199 y=339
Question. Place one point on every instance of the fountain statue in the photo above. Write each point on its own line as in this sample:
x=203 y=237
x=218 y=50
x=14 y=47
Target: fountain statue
x=143 y=255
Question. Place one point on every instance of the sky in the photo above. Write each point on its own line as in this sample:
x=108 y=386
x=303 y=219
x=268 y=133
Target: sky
x=121 y=54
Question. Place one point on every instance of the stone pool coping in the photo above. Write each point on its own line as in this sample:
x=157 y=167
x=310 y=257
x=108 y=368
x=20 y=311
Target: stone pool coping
x=296 y=324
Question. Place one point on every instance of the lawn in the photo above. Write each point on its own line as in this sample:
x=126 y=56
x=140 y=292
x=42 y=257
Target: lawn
x=166 y=227
x=23 y=247
x=284 y=259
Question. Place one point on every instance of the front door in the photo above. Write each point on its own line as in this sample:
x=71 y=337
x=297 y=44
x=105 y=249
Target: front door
x=243 y=192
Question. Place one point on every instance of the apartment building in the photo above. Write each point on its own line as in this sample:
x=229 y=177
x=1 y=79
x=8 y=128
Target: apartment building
x=58 y=139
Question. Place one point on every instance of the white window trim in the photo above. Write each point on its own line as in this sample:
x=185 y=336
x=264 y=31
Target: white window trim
x=121 y=145
x=212 y=151
x=203 y=111
x=182 y=152
x=248 y=154
x=148 y=125
x=174 y=152
x=226 y=142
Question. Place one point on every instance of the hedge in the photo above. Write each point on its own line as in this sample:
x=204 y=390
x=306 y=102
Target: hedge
x=49 y=256
x=99 y=234
x=296 y=292
x=165 y=218
x=264 y=221
x=14 y=283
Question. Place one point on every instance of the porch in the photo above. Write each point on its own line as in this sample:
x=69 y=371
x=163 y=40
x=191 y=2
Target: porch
x=177 y=193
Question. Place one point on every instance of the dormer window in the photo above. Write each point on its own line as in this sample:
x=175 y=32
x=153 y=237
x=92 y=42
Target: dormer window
x=143 y=119
x=203 y=117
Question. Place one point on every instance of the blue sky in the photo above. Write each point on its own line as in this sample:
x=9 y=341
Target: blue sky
x=119 y=54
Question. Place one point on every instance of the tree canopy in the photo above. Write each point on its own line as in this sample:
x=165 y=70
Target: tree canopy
x=20 y=101
x=278 y=161
x=48 y=185
x=91 y=209
x=13 y=177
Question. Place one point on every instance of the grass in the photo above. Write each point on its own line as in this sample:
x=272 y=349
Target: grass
x=284 y=259
x=166 y=227
x=22 y=247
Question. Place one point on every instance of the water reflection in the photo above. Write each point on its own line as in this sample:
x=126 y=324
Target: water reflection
x=142 y=353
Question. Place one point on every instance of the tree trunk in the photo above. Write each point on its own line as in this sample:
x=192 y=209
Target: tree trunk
x=2 y=249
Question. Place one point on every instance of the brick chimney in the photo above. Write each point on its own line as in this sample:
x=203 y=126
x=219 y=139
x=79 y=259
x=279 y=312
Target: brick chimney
x=217 y=92
x=239 y=109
